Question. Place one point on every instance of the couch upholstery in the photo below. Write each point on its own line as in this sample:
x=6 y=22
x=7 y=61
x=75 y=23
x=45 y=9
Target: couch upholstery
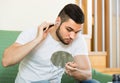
x=7 y=75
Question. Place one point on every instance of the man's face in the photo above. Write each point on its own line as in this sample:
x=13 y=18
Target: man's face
x=67 y=31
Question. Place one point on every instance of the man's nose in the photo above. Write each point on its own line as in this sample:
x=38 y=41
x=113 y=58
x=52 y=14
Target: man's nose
x=72 y=35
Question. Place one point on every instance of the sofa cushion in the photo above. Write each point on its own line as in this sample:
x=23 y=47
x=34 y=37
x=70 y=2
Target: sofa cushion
x=67 y=79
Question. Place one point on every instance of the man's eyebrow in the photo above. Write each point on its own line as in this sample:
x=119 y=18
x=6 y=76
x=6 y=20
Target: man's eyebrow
x=70 y=28
x=78 y=31
x=73 y=29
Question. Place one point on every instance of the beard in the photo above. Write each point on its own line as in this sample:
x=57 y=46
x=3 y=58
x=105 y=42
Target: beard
x=60 y=37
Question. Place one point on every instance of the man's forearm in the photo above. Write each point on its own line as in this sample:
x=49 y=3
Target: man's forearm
x=16 y=52
x=81 y=74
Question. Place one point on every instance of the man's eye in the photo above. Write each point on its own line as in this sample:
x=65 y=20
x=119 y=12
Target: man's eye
x=69 y=29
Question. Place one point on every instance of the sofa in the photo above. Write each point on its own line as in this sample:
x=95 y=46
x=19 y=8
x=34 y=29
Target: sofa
x=8 y=74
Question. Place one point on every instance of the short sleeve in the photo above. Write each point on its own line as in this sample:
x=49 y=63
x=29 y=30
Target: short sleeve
x=80 y=46
x=27 y=36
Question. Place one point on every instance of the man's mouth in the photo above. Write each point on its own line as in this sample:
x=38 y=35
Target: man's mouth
x=68 y=40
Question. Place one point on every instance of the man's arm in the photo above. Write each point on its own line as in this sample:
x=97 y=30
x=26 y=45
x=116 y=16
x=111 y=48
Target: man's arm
x=80 y=69
x=16 y=52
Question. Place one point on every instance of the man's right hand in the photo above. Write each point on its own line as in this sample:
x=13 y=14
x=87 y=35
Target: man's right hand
x=43 y=30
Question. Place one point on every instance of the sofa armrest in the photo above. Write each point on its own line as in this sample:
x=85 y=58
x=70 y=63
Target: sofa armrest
x=102 y=77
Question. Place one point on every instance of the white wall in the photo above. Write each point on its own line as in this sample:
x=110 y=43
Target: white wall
x=23 y=14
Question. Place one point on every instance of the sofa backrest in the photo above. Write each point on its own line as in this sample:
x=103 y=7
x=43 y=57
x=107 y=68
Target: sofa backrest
x=8 y=74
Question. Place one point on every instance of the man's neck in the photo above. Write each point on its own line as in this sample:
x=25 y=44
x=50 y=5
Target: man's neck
x=53 y=33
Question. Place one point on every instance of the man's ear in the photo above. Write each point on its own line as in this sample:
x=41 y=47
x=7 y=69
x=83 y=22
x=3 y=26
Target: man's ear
x=58 y=21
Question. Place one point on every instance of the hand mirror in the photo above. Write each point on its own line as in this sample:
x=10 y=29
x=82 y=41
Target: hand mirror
x=60 y=58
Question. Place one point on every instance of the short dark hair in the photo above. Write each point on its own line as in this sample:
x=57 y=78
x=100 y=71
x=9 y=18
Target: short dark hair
x=72 y=11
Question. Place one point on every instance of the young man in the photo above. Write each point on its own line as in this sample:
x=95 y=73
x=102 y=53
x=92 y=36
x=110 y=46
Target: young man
x=35 y=48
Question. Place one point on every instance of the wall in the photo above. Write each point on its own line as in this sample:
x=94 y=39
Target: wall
x=23 y=14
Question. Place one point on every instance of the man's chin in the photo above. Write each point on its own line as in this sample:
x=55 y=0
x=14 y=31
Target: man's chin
x=66 y=43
